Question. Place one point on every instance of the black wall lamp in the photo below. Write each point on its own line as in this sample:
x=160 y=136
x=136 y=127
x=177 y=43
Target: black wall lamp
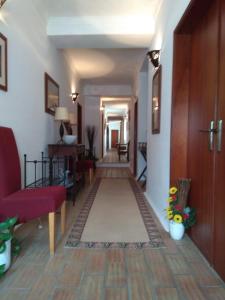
x=2 y=2
x=154 y=57
x=74 y=97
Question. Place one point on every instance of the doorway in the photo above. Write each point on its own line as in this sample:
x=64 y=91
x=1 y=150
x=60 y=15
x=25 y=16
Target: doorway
x=114 y=138
x=198 y=110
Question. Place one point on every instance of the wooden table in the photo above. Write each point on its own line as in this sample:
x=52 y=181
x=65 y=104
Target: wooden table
x=66 y=151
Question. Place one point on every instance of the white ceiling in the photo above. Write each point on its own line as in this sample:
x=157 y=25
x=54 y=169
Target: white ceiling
x=106 y=66
x=67 y=8
x=97 y=35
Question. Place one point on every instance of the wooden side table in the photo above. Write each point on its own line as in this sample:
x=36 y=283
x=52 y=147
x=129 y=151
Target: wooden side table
x=67 y=151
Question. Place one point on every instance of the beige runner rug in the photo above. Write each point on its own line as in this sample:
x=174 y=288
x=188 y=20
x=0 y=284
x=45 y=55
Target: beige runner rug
x=115 y=214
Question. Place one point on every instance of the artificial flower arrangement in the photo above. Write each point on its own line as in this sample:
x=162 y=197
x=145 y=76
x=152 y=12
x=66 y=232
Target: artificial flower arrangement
x=178 y=214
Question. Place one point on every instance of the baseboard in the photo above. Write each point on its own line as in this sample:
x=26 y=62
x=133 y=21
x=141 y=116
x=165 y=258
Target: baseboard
x=162 y=219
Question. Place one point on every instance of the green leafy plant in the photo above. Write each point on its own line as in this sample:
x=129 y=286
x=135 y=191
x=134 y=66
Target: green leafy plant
x=177 y=213
x=6 y=234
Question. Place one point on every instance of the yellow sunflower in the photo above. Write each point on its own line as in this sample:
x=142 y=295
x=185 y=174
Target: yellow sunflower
x=173 y=190
x=178 y=219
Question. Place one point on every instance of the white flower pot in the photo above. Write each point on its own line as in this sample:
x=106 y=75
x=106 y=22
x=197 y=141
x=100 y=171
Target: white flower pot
x=5 y=257
x=176 y=230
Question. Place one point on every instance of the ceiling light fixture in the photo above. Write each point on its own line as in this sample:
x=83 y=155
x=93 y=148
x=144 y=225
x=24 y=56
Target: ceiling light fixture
x=2 y=2
x=154 y=57
x=74 y=96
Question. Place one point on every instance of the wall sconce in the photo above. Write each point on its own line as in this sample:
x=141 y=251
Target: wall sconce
x=74 y=97
x=2 y=2
x=154 y=57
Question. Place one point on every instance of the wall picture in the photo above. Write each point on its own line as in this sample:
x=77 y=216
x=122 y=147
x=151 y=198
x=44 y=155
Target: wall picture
x=51 y=95
x=3 y=62
x=156 y=101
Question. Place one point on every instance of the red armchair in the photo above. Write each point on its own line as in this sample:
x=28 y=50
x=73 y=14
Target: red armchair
x=26 y=204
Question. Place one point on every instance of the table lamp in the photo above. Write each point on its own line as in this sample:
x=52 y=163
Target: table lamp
x=62 y=115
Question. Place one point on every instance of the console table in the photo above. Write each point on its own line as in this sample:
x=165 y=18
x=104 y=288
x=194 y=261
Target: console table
x=73 y=151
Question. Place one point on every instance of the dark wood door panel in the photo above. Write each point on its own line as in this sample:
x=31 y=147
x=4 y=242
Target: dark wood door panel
x=219 y=203
x=203 y=90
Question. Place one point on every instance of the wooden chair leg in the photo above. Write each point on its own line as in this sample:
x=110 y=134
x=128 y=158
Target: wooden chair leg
x=51 y=221
x=90 y=175
x=63 y=217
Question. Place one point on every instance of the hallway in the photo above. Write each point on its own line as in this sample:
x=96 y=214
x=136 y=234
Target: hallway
x=112 y=157
x=176 y=271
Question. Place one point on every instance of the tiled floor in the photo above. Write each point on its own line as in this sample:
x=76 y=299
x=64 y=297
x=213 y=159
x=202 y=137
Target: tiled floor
x=112 y=157
x=177 y=271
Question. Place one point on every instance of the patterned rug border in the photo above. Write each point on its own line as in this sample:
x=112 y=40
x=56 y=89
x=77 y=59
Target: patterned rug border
x=155 y=239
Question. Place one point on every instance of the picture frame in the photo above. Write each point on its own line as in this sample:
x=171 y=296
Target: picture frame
x=51 y=94
x=156 y=101
x=3 y=63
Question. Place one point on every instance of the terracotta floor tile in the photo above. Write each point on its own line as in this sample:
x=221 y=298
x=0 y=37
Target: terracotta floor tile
x=11 y=294
x=71 y=275
x=139 y=287
x=214 y=293
x=154 y=256
x=188 y=287
x=96 y=262
x=64 y=294
x=137 y=264
x=116 y=274
x=43 y=287
x=161 y=275
x=92 y=288
x=115 y=255
x=204 y=276
x=116 y=294
x=177 y=264
x=167 y=294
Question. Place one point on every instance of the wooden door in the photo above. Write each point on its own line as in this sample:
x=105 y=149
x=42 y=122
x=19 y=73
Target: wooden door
x=114 y=138
x=79 y=123
x=219 y=203
x=202 y=112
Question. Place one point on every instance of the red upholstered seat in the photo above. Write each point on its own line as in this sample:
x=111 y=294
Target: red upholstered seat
x=32 y=203
x=25 y=204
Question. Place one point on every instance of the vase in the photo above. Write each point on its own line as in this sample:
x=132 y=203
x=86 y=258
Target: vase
x=5 y=257
x=176 y=230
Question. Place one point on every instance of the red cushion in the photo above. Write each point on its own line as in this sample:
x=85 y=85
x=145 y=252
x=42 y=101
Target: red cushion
x=10 y=180
x=32 y=203
x=84 y=165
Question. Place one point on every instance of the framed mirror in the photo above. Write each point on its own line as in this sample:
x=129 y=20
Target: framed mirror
x=51 y=95
x=156 y=101
x=3 y=62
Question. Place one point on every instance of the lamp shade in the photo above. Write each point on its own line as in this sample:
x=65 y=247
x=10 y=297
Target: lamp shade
x=61 y=114
x=72 y=119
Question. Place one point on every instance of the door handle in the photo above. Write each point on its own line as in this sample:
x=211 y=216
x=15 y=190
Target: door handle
x=219 y=135
x=211 y=132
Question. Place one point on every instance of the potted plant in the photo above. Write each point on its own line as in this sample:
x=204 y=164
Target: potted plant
x=8 y=244
x=179 y=218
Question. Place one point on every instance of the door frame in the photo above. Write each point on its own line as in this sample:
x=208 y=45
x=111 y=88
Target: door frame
x=79 y=123
x=135 y=137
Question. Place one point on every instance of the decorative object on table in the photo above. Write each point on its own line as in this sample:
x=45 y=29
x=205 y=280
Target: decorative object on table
x=69 y=139
x=62 y=115
x=8 y=244
x=51 y=95
x=3 y=63
x=154 y=56
x=179 y=218
x=91 y=133
x=156 y=101
x=74 y=96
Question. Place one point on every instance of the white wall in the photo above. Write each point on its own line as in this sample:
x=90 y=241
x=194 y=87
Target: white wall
x=30 y=54
x=142 y=94
x=159 y=144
